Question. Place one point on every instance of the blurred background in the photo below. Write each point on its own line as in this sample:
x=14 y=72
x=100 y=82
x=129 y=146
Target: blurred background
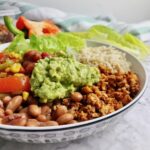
x=125 y=10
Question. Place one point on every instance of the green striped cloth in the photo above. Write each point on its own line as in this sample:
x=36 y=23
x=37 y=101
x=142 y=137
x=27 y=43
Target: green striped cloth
x=72 y=22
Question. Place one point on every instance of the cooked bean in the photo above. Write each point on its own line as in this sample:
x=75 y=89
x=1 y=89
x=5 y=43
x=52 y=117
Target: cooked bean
x=19 y=108
x=26 y=63
x=29 y=68
x=34 y=110
x=72 y=121
x=76 y=96
x=6 y=100
x=45 y=110
x=1 y=120
x=45 y=54
x=36 y=57
x=65 y=118
x=15 y=119
x=14 y=103
x=29 y=55
x=42 y=118
x=1 y=112
x=19 y=121
x=49 y=123
x=60 y=110
x=8 y=112
x=66 y=101
x=32 y=123
x=1 y=104
x=24 y=110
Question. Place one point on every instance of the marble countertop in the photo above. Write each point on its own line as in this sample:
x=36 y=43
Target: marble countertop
x=132 y=133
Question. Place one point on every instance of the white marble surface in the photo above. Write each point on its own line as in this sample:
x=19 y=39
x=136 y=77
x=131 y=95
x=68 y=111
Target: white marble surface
x=132 y=133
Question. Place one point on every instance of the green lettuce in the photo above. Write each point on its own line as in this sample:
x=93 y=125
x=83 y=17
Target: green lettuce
x=19 y=45
x=107 y=35
x=49 y=44
x=75 y=41
x=52 y=44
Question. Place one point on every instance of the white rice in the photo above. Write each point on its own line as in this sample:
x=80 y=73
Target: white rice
x=110 y=57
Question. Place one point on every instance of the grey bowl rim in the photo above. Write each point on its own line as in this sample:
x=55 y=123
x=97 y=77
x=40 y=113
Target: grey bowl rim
x=84 y=123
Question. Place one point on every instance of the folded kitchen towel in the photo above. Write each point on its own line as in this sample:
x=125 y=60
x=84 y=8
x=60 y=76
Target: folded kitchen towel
x=73 y=22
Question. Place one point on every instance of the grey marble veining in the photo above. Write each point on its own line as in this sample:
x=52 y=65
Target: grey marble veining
x=131 y=133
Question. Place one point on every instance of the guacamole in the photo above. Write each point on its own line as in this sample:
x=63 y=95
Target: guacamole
x=55 y=78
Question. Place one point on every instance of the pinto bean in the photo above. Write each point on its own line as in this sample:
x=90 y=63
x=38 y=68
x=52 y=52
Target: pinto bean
x=1 y=120
x=45 y=110
x=6 y=99
x=19 y=121
x=14 y=103
x=24 y=110
x=8 y=112
x=72 y=122
x=34 y=110
x=32 y=123
x=64 y=119
x=76 y=96
x=1 y=112
x=60 y=110
x=42 y=118
x=49 y=123
x=15 y=119
x=1 y=104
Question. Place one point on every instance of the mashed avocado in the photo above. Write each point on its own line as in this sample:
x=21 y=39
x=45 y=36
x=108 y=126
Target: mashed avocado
x=57 y=77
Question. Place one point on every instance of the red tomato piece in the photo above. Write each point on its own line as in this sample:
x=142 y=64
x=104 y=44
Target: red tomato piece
x=14 y=84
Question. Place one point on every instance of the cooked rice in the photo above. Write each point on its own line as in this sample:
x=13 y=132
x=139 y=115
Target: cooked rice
x=108 y=56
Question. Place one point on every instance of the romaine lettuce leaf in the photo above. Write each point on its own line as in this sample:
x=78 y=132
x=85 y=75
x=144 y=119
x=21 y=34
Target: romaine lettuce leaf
x=19 y=45
x=71 y=41
x=51 y=44
x=105 y=34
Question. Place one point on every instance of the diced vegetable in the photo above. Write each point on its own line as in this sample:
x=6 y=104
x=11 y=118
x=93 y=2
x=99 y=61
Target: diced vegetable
x=37 y=28
x=14 y=84
x=25 y=95
x=5 y=65
x=15 y=67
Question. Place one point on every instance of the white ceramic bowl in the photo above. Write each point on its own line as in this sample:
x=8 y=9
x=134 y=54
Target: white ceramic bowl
x=79 y=130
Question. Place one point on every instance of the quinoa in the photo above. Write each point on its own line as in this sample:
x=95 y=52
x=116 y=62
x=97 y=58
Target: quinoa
x=107 y=56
